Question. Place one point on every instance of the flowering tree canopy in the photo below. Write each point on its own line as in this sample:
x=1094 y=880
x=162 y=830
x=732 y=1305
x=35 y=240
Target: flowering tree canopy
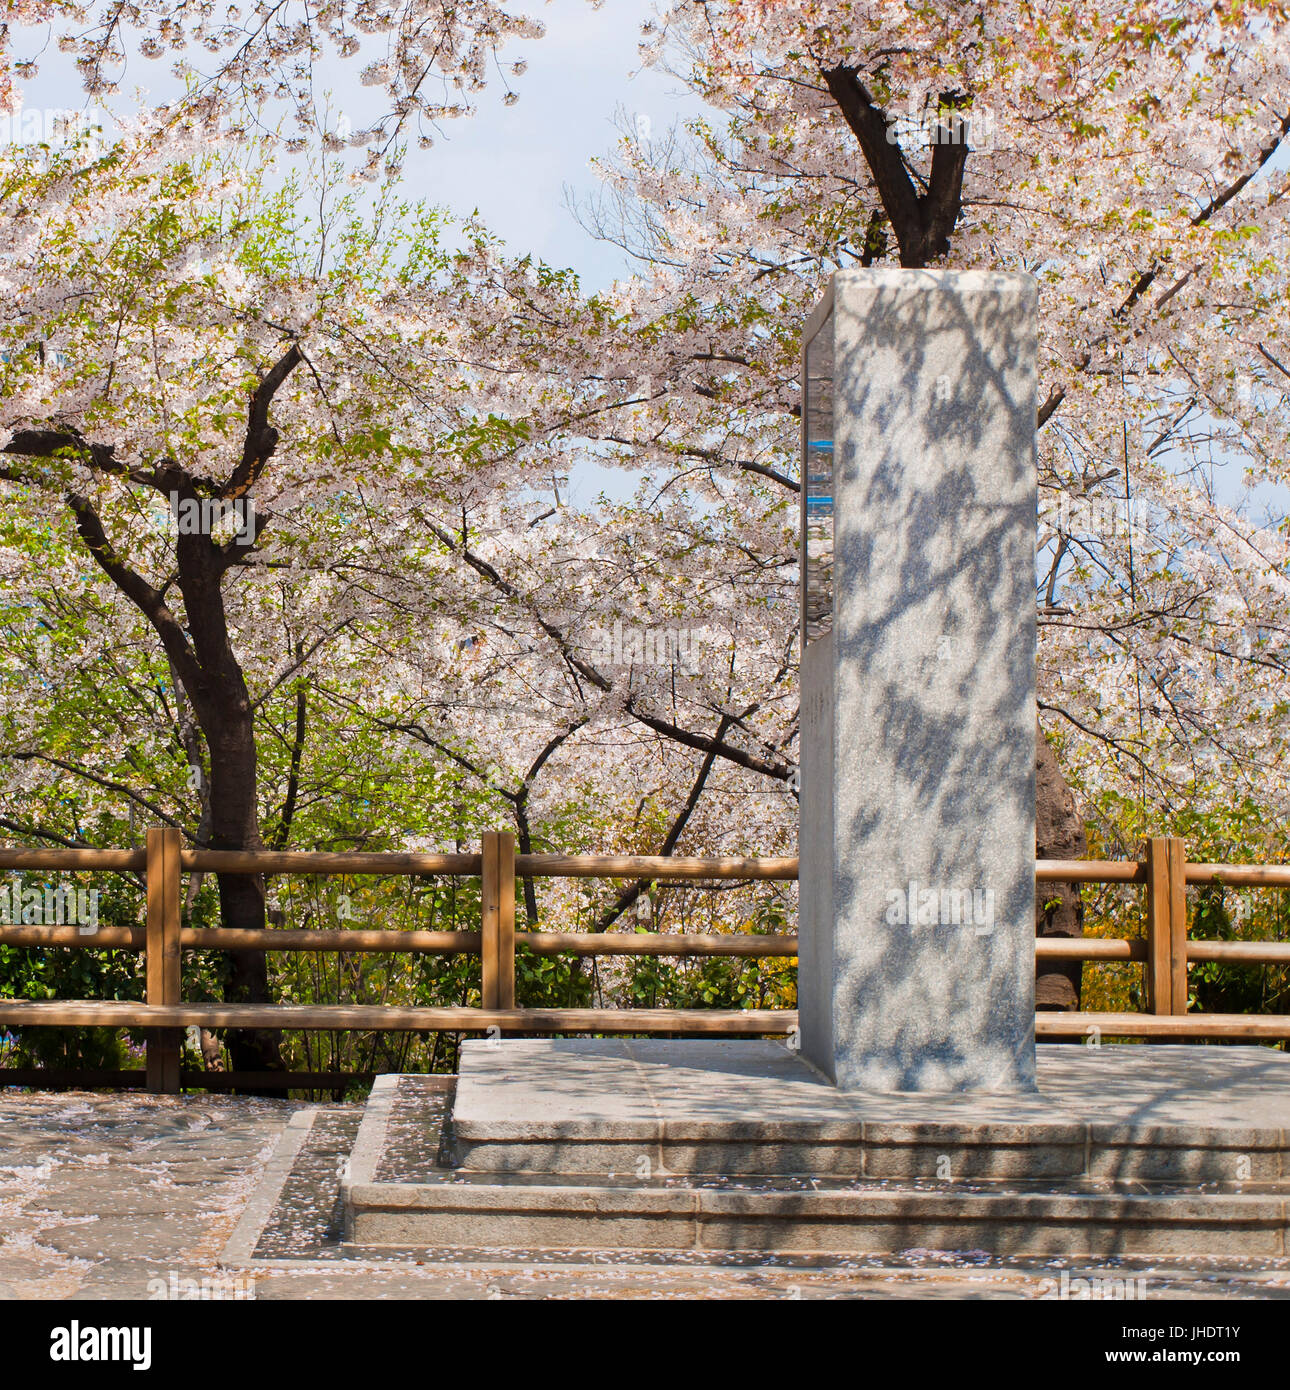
x=296 y=484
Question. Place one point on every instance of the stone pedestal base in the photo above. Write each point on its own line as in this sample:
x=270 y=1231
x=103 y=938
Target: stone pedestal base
x=741 y=1146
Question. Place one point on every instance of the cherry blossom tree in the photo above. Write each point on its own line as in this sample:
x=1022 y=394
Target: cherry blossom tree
x=405 y=419
x=239 y=66
x=165 y=318
x=1134 y=163
x=1129 y=162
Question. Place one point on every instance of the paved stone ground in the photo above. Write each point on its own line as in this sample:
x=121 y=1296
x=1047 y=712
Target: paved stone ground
x=100 y=1193
x=137 y=1197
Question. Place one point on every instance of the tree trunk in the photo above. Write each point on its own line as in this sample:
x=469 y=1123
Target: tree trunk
x=235 y=826
x=203 y=663
x=222 y=704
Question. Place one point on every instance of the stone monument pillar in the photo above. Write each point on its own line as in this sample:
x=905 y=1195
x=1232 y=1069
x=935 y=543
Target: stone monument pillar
x=917 y=820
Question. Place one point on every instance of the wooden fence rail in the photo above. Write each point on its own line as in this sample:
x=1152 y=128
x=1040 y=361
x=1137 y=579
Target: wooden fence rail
x=1163 y=873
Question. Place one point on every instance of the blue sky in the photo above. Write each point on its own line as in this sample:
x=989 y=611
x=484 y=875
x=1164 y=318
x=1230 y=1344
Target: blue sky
x=512 y=163
x=518 y=165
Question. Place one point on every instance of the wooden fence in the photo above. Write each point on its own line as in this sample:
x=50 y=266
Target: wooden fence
x=1165 y=952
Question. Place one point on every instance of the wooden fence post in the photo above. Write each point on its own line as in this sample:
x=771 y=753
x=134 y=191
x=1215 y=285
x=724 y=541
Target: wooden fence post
x=163 y=956
x=1178 y=922
x=1166 y=925
x=497 y=900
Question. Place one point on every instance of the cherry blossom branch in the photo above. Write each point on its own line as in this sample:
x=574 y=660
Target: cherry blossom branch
x=261 y=437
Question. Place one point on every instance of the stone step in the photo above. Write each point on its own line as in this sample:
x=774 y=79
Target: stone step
x=862 y=1218
x=649 y=1145
x=604 y=1107
x=909 y=1151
